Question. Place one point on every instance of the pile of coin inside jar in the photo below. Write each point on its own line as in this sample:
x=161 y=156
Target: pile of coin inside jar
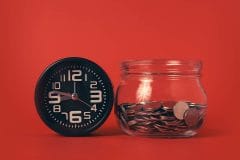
x=166 y=118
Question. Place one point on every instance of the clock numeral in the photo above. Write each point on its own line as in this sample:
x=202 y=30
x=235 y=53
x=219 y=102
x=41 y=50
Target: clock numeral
x=85 y=77
x=56 y=108
x=69 y=75
x=93 y=85
x=76 y=75
x=56 y=85
x=74 y=117
x=87 y=115
x=73 y=75
x=96 y=96
x=55 y=98
x=66 y=115
x=94 y=108
x=62 y=78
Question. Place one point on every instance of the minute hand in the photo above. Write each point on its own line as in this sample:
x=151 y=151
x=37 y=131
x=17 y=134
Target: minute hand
x=84 y=102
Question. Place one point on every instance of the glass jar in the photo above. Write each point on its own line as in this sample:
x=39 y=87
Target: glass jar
x=161 y=98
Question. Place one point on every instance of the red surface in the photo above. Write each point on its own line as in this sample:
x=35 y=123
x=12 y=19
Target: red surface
x=35 y=33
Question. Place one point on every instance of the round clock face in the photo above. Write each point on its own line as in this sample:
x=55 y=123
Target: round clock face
x=74 y=96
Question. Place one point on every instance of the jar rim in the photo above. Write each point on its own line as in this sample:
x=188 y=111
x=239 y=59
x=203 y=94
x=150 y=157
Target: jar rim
x=163 y=66
x=162 y=61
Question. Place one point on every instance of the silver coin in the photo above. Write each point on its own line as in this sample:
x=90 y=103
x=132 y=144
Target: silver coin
x=177 y=130
x=142 y=128
x=158 y=125
x=146 y=118
x=153 y=104
x=163 y=130
x=192 y=117
x=141 y=113
x=148 y=109
x=181 y=127
x=123 y=112
x=132 y=122
x=166 y=118
x=179 y=109
x=122 y=109
x=159 y=128
x=153 y=118
x=146 y=123
x=157 y=113
x=123 y=120
x=139 y=120
x=130 y=111
x=133 y=106
x=173 y=123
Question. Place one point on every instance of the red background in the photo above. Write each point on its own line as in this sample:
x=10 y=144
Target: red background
x=35 y=33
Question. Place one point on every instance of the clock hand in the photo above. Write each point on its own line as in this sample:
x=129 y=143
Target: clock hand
x=75 y=95
x=84 y=102
x=64 y=98
x=74 y=87
x=68 y=96
x=63 y=93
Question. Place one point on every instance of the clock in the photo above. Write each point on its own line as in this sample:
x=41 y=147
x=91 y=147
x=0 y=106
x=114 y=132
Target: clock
x=74 y=96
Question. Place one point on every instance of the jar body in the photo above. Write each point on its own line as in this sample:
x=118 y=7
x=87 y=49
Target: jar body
x=160 y=104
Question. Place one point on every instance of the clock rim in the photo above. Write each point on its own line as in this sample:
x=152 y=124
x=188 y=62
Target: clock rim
x=72 y=131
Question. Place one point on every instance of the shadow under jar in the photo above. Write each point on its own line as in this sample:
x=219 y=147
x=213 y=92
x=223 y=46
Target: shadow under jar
x=161 y=98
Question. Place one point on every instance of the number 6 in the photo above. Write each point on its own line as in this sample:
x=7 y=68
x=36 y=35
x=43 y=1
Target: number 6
x=73 y=118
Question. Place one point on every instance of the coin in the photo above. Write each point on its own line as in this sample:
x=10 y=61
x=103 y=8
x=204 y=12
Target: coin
x=139 y=120
x=173 y=123
x=123 y=109
x=146 y=123
x=142 y=128
x=154 y=118
x=157 y=113
x=130 y=111
x=132 y=122
x=168 y=118
x=149 y=109
x=161 y=118
x=179 y=109
x=123 y=120
x=141 y=113
x=192 y=117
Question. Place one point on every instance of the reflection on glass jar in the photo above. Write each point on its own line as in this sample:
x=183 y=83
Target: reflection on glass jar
x=161 y=98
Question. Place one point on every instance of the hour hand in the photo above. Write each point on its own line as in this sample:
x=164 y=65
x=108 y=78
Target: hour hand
x=63 y=95
x=64 y=98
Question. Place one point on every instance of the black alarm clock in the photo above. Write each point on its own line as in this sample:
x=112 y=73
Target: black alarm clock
x=74 y=96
